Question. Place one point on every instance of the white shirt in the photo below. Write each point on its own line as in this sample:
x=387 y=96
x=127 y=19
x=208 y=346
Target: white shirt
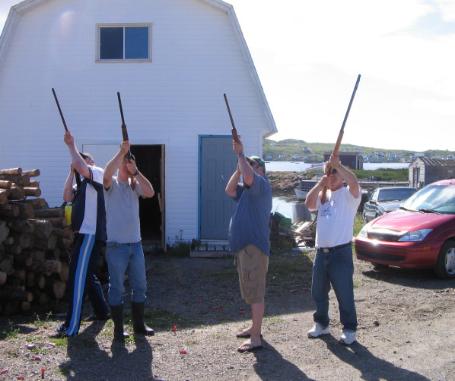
x=336 y=218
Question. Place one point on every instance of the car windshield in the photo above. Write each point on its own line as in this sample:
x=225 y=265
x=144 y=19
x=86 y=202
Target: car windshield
x=433 y=198
x=395 y=194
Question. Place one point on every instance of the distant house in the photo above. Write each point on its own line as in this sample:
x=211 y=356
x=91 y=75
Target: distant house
x=423 y=171
x=353 y=160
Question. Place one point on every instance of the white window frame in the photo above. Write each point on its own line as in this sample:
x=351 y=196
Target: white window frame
x=98 y=59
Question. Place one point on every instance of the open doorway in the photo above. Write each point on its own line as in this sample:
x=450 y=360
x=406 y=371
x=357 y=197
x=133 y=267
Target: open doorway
x=150 y=160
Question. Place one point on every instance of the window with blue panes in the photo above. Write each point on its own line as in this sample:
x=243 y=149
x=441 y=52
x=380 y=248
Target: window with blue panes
x=124 y=43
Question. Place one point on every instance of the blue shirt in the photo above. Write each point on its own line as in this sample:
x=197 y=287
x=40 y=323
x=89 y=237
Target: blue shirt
x=250 y=223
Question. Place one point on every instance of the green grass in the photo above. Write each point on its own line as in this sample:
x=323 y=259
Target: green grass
x=60 y=341
x=382 y=174
x=358 y=223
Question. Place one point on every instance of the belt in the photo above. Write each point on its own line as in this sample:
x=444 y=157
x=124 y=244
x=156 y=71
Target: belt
x=327 y=250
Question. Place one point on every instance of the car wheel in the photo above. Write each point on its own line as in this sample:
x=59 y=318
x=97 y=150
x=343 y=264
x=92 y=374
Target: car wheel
x=445 y=267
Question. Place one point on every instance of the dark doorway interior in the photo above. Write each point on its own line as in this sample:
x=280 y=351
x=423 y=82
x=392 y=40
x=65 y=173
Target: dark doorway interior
x=149 y=159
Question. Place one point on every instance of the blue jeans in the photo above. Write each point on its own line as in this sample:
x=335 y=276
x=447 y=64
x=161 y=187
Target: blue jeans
x=120 y=258
x=334 y=268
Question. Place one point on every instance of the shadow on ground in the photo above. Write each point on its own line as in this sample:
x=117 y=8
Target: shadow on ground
x=271 y=365
x=371 y=367
x=422 y=279
x=87 y=361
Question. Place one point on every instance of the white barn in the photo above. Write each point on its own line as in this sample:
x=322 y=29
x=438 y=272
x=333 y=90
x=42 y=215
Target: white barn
x=172 y=60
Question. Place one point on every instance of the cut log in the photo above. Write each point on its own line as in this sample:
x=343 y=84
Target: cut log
x=25 y=241
x=57 y=222
x=16 y=193
x=11 y=171
x=31 y=173
x=50 y=213
x=3 y=277
x=52 y=266
x=9 y=211
x=31 y=191
x=5 y=184
x=41 y=282
x=59 y=289
x=4 y=231
x=21 y=226
x=6 y=265
x=38 y=203
x=25 y=209
x=49 y=244
x=43 y=228
x=4 y=194
x=34 y=184
x=65 y=272
x=16 y=179
x=16 y=294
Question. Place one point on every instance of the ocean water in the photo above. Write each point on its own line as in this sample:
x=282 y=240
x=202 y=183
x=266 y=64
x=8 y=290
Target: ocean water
x=298 y=166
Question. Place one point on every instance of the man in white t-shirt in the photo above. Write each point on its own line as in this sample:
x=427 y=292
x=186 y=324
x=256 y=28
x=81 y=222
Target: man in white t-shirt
x=333 y=264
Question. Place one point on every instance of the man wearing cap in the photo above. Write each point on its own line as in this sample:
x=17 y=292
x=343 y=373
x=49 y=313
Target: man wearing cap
x=333 y=265
x=124 y=247
x=88 y=220
x=249 y=233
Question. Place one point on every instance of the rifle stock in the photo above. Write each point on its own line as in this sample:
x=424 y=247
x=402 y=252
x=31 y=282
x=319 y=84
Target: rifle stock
x=234 y=133
x=336 y=149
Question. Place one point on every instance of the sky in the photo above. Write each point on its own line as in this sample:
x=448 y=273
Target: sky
x=308 y=54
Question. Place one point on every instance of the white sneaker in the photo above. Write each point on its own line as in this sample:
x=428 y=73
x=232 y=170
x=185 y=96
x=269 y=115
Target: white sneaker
x=347 y=337
x=318 y=330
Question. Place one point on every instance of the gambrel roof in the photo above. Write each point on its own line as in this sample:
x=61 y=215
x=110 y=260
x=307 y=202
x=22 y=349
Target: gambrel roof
x=27 y=5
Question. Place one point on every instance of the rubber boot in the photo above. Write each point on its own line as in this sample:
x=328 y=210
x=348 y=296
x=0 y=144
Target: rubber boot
x=140 y=328
x=117 y=318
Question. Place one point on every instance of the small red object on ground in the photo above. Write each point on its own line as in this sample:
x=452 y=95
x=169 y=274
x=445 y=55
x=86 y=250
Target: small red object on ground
x=183 y=352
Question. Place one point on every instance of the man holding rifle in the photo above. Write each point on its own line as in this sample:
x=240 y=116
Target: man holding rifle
x=333 y=265
x=124 y=248
x=88 y=220
x=249 y=237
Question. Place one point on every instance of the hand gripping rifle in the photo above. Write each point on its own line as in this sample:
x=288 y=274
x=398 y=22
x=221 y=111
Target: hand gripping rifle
x=124 y=130
x=235 y=136
x=78 y=178
x=336 y=149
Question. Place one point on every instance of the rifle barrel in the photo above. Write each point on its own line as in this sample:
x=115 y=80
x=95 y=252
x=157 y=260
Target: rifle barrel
x=59 y=109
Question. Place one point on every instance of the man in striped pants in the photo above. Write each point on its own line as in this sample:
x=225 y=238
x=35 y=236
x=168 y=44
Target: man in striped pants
x=88 y=220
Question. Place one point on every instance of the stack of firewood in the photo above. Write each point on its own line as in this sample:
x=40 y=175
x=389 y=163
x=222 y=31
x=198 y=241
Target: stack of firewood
x=34 y=245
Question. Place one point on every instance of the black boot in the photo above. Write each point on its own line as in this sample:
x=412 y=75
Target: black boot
x=117 y=318
x=137 y=311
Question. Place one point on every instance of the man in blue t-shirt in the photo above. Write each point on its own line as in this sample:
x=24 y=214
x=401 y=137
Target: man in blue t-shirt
x=249 y=232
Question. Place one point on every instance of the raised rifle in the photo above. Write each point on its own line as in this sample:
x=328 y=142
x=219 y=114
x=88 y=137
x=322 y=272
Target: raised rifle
x=234 y=133
x=77 y=176
x=124 y=130
x=336 y=149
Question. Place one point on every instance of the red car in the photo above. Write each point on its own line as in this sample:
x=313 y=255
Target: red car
x=421 y=234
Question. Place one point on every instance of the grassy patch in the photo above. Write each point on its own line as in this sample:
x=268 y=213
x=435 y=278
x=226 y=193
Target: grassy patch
x=358 y=223
x=60 y=342
x=9 y=331
x=163 y=320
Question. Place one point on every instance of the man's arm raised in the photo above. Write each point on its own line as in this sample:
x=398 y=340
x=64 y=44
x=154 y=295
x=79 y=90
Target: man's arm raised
x=77 y=161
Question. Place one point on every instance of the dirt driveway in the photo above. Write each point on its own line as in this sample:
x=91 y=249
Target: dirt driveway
x=406 y=330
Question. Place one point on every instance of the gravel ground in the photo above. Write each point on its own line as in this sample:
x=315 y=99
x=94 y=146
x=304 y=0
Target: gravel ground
x=405 y=332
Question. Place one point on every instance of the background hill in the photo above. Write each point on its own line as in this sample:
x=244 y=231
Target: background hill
x=299 y=150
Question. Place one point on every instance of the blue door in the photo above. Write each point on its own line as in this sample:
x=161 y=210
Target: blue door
x=217 y=164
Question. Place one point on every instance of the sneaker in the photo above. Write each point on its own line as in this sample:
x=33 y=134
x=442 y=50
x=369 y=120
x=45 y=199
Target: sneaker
x=318 y=330
x=347 y=337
